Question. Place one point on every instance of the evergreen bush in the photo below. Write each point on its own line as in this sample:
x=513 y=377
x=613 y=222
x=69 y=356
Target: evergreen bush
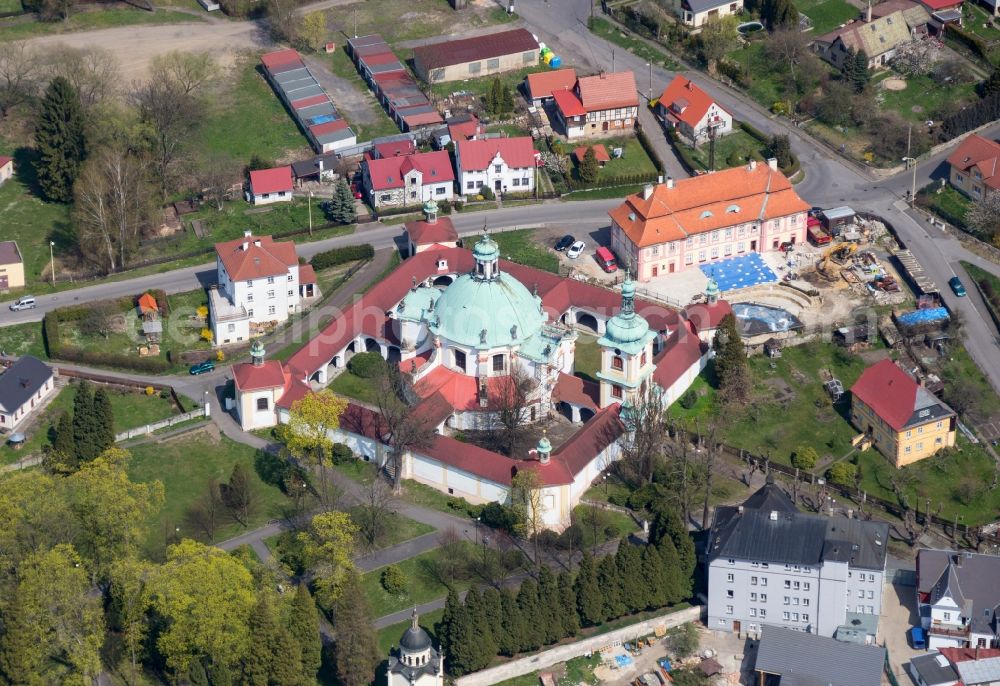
x=366 y=365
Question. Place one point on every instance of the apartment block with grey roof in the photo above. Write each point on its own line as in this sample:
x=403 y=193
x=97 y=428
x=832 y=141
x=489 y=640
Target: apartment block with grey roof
x=959 y=598
x=771 y=565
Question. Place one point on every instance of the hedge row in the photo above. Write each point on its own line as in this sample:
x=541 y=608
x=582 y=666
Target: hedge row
x=71 y=353
x=391 y=211
x=609 y=181
x=759 y=135
x=973 y=43
x=349 y=253
x=650 y=150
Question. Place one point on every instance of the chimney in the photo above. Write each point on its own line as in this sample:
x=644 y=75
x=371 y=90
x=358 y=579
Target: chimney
x=245 y=246
x=319 y=163
x=647 y=191
x=670 y=182
x=257 y=242
x=247 y=233
x=868 y=12
x=772 y=163
x=752 y=165
x=659 y=179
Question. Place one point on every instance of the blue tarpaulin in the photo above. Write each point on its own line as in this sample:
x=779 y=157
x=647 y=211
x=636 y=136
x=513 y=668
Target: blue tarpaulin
x=623 y=660
x=930 y=314
x=322 y=119
x=665 y=663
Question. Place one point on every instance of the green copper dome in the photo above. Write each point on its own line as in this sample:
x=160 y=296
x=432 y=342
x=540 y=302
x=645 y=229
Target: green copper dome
x=712 y=289
x=487 y=313
x=627 y=330
x=486 y=249
x=431 y=207
x=544 y=444
x=256 y=348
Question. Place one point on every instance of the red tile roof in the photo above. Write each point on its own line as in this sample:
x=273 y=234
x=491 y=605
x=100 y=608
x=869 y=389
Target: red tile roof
x=307 y=274
x=895 y=396
x=249 y=377
x=568 y=103
x=600 y=152
x=682 y=350
x=465 y=50
x=271 y=180
x=5 y=160
x=461 y=130
x=707 y=317
x=956 y=655
x=9 y=253
x=388 y=172
x=261 y=257
x=597 y=434
x=422 y=118
x=938 y=5
x=578 y=391
x=542 y=84
x=608 y=91
x=423 y=233
x=395 y=148
x=686 y=101
x=518 y=152
x=705 y=203
x=280 y=58
x=981 y=154
x=147 y=303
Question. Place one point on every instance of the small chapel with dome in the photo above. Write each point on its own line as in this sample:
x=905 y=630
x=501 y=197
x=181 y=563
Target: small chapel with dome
x=417 y=662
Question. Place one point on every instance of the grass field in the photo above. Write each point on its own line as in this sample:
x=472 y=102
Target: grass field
x=10 y=6
x=247 y=118
x=806 y=420
x=598 y=525
x=738 y=143
x=23 y=339
x=587 y=357
x=925 y=96
x=988 y=284
x=353 y=386
x=130 y=409
x=184 y=465
x=398 y=529
x=827 y=15
x=947 y=203
x=609 y=32
x=423 y=577
x=95 y=19
x=978 y=21
x=634 y=159
x=520 y=246
x=402 y=21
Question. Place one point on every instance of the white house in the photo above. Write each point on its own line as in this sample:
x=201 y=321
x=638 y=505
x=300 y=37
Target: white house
x=958 y=598
x=771 y=565
x=409 y=179
x=23 y=386
x=692 y=112
x=6 y=168
x=258 y=286
x=501 y=164
x=270 y=185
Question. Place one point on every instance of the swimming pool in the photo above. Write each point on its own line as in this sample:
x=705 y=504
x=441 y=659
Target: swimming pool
x=741 y=271
x=757 y=319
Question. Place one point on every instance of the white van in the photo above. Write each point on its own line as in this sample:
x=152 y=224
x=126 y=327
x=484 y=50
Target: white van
x=25 y=302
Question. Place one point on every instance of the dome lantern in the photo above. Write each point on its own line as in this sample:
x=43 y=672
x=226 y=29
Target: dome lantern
x=257 y=353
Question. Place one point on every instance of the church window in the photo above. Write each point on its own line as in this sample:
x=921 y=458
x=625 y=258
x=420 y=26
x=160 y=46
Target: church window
x=261 y=403
x=616 y=391
x=498 y=363
x=617 y=363
x=460 y=360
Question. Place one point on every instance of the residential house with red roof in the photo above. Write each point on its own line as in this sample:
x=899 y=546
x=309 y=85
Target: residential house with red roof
x=692 y=112
x=500 y=164
x=408 y=179
x=603 y=105
x=470 y=58
x=974 y=167
x=684 y=224
x=902 y=419
x=270 y=186
x=258 y=284
x=540 y=86
x=462 y=327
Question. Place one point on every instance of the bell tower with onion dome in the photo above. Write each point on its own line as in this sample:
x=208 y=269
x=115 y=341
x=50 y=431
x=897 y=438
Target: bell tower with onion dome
x=626 y=352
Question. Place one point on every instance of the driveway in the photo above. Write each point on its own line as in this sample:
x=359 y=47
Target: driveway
x=899 y=613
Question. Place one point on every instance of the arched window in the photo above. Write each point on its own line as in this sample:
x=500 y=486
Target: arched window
x=617 y=363
x=642 y=360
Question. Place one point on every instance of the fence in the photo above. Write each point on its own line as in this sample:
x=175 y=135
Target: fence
x=553 y=656
x=162 y=424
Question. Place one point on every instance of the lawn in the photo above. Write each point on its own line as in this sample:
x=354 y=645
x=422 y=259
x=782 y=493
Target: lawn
x=603 y=193
x=957 y=481
x=638 y=47
x=946 y=202
x=765 y=87
x=827 y=15
x=634 y=159
x=587 y=357
x=989 y=287
x=425 y=580
x=94 y=19
x=403 y=21
x=599 y=525
x=131 y=409
x=520 y=246
x=247 y=118
x=978 y=21
x=185 y=465
x=23 y=339
x=739 y=143
x=7 y=6
x=807 y=420
x=924 y=97
x=397 y=529
x=425 y=496
x=353 y=386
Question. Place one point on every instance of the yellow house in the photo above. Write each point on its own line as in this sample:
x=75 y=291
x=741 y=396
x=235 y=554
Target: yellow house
x=11 y=266
x=904 y=420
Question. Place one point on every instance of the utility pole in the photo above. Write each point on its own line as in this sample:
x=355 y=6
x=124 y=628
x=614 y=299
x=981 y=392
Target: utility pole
x=52 y=261
x=310 y=205
x=355 y=23
x=650 y=98
x=612 y=60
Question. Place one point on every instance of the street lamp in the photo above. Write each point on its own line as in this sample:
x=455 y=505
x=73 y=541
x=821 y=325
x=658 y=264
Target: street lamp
x=477 y=530
x=913 y=185
x=605 y=480
x=52 y=261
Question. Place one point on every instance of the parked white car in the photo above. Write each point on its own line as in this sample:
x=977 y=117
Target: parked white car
x=576 y=250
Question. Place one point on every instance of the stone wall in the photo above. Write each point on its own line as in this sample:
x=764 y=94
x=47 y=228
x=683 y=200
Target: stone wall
x=562 y=653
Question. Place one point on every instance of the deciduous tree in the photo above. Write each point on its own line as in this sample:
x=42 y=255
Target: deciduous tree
x=401 y=429
x=190 y=71
x=327 y=548
x=92 y=71
x=509 y=401
x=19 y=75
x=60 y=140
x=373 y=514
x=526 y=500
x=205 y=514
x=130 y=601
x=718 y=37
x=170 y=114
x=307 y=434
x=312 y=30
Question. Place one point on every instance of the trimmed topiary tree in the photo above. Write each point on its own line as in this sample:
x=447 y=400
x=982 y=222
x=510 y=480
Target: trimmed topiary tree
x=366 y=365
